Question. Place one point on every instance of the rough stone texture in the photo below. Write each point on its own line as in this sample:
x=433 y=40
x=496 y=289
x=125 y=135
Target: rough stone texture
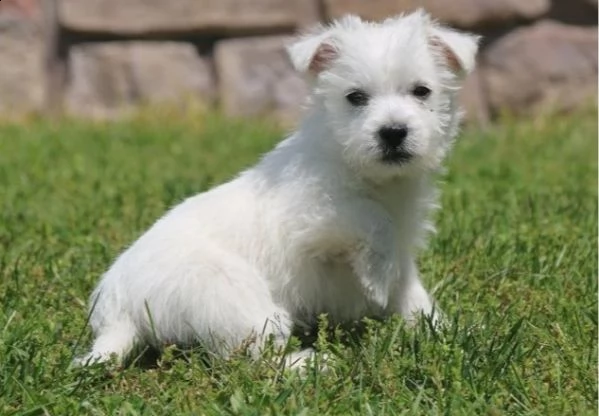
x=139 y=17
x=30 y=9
x=576 y=12
x=545 y=66
x=54 y=59
x=256 y=78
x=473 y=99
x=105 y=79
x=465 y=14
x=308 y=13
x=524 y=68
x=22 y=65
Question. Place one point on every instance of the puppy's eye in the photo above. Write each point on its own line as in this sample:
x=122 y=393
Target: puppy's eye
x=420 y=91
x=357 y=98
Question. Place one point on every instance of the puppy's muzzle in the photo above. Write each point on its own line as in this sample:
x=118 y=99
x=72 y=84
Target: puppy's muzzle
x=392 y=139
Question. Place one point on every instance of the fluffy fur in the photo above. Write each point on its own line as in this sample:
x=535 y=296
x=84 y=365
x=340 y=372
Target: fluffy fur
x=327 y=222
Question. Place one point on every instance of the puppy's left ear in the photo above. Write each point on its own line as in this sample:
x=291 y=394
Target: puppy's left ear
x=458 y=49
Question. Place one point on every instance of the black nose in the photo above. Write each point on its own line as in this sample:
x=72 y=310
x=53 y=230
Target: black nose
x=393 y=136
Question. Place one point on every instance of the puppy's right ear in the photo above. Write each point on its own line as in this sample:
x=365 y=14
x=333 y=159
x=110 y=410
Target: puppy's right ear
x=457 y=48
x=313 y=53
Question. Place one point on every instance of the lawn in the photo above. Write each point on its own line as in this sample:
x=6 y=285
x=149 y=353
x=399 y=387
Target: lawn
x=513 y=264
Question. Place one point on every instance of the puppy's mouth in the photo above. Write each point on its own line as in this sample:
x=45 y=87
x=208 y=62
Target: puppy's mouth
x=395 y=155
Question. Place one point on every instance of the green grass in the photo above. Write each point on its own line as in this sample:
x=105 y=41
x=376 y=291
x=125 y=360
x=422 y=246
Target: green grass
x=514 y=264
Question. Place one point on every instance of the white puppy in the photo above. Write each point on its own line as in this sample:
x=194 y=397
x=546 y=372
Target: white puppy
x=327 y=222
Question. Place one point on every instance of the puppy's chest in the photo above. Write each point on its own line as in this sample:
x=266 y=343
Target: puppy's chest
x=333 y=289
x=405 y=205
x=398 y=202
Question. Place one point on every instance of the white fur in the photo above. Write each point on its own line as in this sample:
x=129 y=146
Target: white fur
x=320 y=225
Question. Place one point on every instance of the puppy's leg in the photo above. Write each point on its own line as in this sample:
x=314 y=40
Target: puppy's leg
x=225 y=303
x=409 y=298
x=375 y=270
x=375 y=262
x=213 y=297
x=367 y=231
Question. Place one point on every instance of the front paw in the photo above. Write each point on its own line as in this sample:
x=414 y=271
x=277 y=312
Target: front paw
x=416 y=304
x=434 y=316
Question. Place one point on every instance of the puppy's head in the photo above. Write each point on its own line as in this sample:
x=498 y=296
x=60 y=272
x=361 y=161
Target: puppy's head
x=387 y=90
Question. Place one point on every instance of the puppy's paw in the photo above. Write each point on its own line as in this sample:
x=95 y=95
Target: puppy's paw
x=93 y=358
x=305 y=360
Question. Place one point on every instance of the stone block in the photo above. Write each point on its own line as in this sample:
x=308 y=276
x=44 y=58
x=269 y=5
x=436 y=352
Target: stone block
x=22 y=78
x=147 y=17
x=547 y=65
x=256 y=78
x=107 y=78
x=465 y=14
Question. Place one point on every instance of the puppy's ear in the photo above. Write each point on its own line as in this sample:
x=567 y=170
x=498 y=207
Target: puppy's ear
x=458 y=49
x=313 y=53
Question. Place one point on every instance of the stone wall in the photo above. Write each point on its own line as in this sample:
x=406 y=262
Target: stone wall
x=100 y=58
